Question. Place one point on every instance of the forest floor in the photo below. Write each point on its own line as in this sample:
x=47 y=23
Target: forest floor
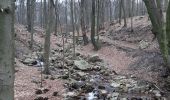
x=130 y=54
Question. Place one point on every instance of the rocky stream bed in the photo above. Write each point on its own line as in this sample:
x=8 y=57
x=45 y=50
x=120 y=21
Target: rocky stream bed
x=88 y=78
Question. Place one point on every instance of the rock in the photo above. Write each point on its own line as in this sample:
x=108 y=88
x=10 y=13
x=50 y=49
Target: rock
x=96 y=68
x=41 y=98
x=38 y=91
x=77 y=84
x=69 y=62
x=46 y=77
x=70 y=94
x=77 y=54
x=45 y=98
x=88 y=88
x=28 y=61
x=114 y=96
x=55 y=93
x=91 y=96
x=115 y=84
x=94 y=58
x=45 y=90
x=143 y=44
x=104 y=93
x=52 y=78
x=82 y=65
x=119 y=77
x=81 y=74
x=157 y=93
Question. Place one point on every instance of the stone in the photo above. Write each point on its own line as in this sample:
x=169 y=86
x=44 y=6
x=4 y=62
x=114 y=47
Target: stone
x=45 y=90
x=119 y=77
x=38 y=91
x=96 y=68
x=81 y=74
x=104 y=92
x=94 y=58
x=52 y=78
x=77 y=54
x=157 y=93
x=69 y=62
x=82 y=65
x=143 y=44
x=115 y=84
x=55 y=93
x=41 y=98
x=28 y=61
x=70 y=94
x=114 y=96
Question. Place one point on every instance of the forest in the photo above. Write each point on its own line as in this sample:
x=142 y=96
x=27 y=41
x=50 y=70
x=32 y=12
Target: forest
x=84 y=50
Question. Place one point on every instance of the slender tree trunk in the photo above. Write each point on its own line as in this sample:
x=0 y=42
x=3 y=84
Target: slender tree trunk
x=66 y=26
x=47 y=38
x=85 y=38
x=7 y=50
x=120 y=11
x=29 y=15
x=124 y=14
x=110 y=1
x=45 y=13
x=98 y=19
x=32 y=23
x=72 y=20
x=56 y=16
x=93 y=26
x=132 y=14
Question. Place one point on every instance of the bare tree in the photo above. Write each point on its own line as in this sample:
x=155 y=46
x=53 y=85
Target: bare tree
x=47 y=38
x=73 y=27
x=93 y=26
x=160 y=29
x=7 y=49
x=83 y=28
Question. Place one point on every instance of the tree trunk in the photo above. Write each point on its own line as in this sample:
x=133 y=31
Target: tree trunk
x=124 y=14
x=93 y=26
x=132 y=14
x=98 y=19
x=7 y=50
x=120 y=11
x=32 y=23
x=160 y=29
x=29 y=15
x=56 y=17
x=72 y=20
x=45 y=14
x=168 y=30
x=47 y=38
x=85 y=38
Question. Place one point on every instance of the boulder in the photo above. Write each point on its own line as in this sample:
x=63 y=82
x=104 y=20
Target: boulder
x=28 y=61
x=94 y=58
x=82 y=65
x=143 y=44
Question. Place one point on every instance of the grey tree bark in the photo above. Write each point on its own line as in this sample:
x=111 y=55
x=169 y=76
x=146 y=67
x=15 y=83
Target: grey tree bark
x=93 y=26
x=160 y=28
x=73 y=27
x=7 y=49
x=47 y=38
x=85 y=38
